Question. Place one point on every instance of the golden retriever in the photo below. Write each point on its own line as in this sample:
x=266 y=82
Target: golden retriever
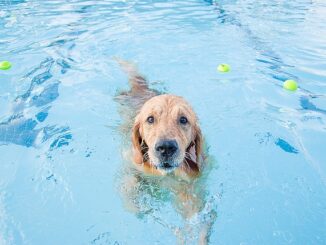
x=167 y=142
x=166 y=137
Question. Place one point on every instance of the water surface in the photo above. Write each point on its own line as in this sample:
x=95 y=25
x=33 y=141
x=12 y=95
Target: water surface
x=61 y=152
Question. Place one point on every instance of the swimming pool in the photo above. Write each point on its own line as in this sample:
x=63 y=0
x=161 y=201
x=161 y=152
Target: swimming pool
x=60 y=147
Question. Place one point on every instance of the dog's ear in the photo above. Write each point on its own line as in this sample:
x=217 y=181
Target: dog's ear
x=195 y=151
x=136 y=143
x=198 y=144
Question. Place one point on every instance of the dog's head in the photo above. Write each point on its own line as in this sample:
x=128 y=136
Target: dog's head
x=166 y=135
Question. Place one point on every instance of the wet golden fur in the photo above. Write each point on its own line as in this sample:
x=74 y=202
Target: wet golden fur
x=139 y=103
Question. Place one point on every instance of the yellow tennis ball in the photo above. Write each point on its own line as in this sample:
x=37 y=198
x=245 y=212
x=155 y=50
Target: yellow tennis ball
x=5 y=65
x=290 y=85
x=223 y=68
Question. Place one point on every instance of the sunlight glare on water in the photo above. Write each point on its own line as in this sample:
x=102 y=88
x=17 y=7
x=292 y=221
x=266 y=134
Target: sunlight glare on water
x=61 y=151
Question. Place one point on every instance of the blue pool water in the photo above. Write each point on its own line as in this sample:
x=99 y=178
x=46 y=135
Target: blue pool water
x=60 y=143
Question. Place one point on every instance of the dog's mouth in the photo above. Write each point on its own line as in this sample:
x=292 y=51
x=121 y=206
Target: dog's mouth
x=167 y=166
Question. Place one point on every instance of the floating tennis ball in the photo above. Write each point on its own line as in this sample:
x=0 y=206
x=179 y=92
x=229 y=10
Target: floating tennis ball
x=223 y=68
x=290 y=85
x=5 y=65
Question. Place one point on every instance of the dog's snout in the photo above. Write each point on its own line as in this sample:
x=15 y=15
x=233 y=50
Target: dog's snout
x=166 y=148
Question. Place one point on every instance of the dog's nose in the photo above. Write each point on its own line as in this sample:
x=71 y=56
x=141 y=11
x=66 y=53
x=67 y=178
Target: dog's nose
x=166 y=148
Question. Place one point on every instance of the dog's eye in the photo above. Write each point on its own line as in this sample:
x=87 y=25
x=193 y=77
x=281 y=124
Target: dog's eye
x=150 y=119
x=183 y=120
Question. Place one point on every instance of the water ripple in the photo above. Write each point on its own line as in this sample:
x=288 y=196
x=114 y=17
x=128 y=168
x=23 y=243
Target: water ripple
x=23 y=129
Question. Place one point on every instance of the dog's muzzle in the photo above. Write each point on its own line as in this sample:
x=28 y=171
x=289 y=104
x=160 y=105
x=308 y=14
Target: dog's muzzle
x=166 y=151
